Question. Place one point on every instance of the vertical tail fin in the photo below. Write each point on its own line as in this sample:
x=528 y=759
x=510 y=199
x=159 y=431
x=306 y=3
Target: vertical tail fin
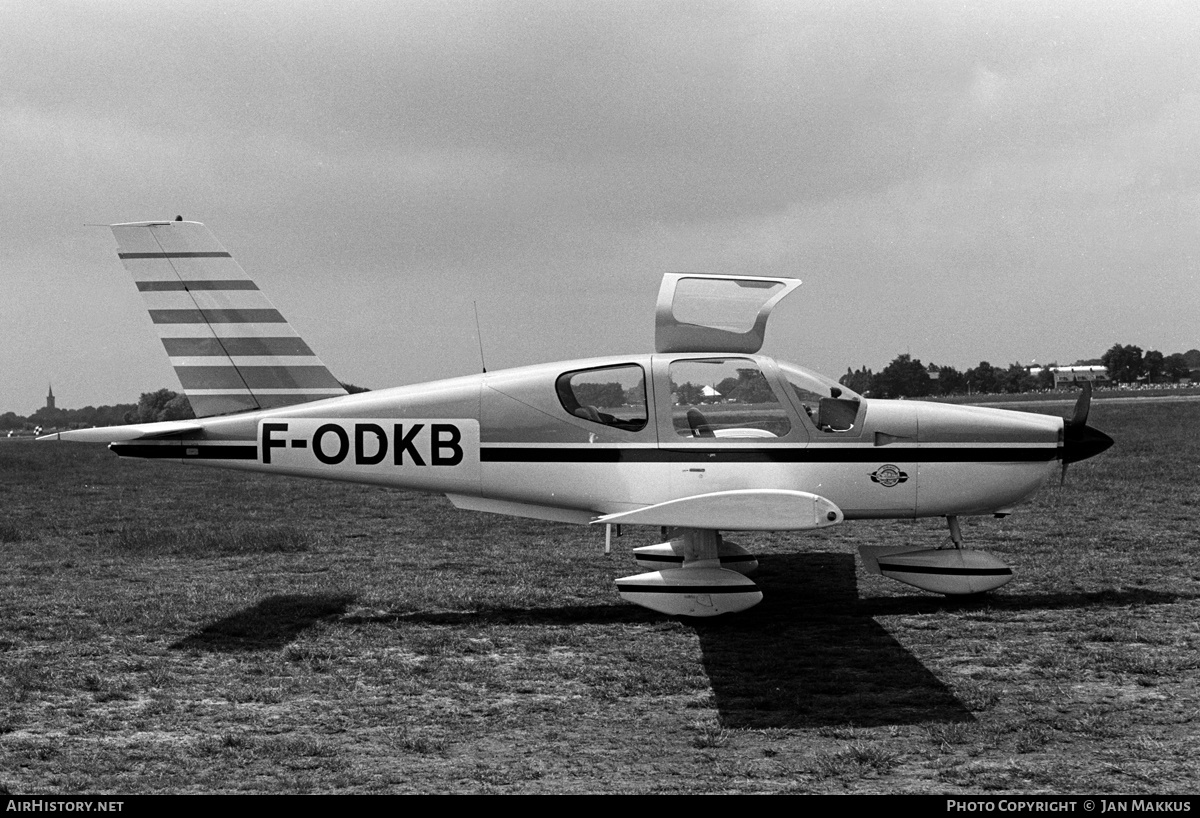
x=230 y=347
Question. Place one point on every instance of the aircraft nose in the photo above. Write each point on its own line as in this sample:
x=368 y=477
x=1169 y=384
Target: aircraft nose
x=1082 y=441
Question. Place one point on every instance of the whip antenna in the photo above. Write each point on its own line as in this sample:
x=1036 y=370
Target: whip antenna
x=479 y=337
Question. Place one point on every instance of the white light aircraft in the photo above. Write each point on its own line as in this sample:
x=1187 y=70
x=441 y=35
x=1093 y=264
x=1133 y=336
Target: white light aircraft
x=703 y=436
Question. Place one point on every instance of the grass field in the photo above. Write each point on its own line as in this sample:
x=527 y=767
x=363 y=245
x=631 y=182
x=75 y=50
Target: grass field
x=168 y=629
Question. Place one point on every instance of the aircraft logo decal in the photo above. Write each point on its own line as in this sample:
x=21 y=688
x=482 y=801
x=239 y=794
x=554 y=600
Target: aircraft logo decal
x=888 y=476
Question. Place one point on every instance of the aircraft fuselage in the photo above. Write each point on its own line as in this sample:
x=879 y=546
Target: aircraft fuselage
x=524 y=441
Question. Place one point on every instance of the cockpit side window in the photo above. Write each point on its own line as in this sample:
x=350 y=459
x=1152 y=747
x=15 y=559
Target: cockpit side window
x=830 y=406
x=724 y=398
x=613 y=396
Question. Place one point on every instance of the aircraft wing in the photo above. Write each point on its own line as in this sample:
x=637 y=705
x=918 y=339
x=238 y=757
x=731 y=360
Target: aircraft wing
x=136 y=431
x=742 y=509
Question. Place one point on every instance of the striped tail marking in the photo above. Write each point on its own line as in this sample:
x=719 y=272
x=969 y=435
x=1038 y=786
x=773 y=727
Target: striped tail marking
x=230 y=347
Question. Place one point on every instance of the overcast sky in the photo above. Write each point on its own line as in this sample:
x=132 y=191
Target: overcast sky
x=1000 y=181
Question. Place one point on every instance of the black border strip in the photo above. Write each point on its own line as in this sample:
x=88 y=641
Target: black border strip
x=947 y=572
x=196 y=284
x=687 y=589
x=210 y=316
x=262 y=346
x=205 y=254
x=677 y=560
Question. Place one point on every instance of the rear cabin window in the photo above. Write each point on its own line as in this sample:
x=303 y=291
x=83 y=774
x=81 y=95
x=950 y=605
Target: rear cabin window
x=613 y=396
x=724 y=398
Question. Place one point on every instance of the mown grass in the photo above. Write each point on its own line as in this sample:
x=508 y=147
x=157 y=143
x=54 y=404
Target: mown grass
x=237 y=538
x=171 y=629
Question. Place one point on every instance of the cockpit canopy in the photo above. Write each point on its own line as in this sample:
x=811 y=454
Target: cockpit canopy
x=709 y=397
x=711 y=313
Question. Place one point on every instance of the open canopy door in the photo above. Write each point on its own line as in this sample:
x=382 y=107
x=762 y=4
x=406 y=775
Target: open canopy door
x=713 y=313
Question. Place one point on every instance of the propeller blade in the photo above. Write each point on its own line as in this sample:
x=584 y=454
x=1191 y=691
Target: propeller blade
x=1082 y=406
x=1081 y=441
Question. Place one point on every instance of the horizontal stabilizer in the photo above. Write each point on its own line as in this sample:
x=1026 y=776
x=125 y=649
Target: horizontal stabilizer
x=743 y=509
x=136 y=431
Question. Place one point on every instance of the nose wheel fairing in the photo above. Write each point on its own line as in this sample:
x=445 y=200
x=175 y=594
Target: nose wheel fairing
x=953 y=571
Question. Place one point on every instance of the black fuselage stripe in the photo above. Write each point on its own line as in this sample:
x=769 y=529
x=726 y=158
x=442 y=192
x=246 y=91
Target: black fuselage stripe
x=250 y=452
x=180 y=451
x=975 y=454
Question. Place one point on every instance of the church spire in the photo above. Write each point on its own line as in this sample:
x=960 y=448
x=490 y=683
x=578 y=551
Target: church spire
x=50 y=397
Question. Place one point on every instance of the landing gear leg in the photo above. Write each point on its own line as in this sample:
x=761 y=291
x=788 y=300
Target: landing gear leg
x=955 y=531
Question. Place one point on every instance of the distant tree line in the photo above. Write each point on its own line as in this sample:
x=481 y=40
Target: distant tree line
x=151 y=407
x=909 y=377
x=1128 y=364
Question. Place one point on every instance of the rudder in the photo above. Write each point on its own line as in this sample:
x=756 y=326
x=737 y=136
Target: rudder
x=231 y=349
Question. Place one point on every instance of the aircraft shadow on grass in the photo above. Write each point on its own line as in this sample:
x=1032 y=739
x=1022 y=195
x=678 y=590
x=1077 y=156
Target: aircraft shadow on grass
x=811 y=655
x=1053 y=601
x=270 y=624
x=808 y=656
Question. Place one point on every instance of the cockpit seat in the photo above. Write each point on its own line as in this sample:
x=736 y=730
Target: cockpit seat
x=699 y=424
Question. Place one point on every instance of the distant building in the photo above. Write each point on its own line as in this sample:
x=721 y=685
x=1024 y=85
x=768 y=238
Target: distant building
x=1064 y=376
x=50 y=398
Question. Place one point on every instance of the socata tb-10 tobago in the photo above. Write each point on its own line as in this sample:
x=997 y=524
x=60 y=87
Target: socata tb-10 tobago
x=703 y=436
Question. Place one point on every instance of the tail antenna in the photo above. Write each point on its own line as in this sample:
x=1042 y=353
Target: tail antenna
x=479 y=337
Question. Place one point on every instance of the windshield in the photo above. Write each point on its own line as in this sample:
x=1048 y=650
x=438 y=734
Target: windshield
x=829 y=405
x=827 y=387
